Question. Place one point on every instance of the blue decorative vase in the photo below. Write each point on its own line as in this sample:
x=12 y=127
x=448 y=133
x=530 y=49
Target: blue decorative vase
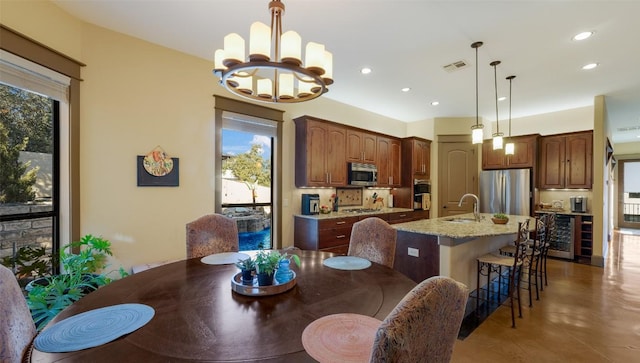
x=283 y=273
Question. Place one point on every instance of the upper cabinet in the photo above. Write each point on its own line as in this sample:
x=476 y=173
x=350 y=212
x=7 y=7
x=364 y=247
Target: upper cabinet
x=361 y=147
x=523 y=156
x=320 y=153
x=389 y=161
x=417 y=153
x=566 y=161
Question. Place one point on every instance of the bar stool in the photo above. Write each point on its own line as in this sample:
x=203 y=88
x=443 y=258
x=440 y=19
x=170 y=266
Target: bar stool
x=551 y=230
x=494 y=262
x=532 y=258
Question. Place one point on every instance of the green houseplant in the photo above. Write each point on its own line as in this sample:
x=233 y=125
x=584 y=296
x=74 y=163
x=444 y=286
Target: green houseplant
x=500 y=218
x=247 y=266
x=266 y=264
x=82 y=274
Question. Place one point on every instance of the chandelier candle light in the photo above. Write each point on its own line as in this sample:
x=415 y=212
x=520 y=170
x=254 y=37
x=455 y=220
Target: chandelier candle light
x=509 y=147
x=274 y=72
x=476 y=130
x=497 y=136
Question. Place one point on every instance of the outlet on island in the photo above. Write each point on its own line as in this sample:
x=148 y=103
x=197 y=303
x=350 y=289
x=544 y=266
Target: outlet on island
x=413 y=252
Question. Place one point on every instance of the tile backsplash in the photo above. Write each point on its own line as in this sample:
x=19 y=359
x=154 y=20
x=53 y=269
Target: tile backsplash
x=548 y=196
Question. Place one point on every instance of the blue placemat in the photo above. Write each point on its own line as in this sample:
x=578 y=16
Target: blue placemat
x=93 y=328
x=347 y=263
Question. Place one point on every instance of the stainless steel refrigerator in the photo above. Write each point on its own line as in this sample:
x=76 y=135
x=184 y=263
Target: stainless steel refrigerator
x=506 y=191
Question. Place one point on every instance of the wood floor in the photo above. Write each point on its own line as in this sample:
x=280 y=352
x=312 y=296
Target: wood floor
x=585 y=314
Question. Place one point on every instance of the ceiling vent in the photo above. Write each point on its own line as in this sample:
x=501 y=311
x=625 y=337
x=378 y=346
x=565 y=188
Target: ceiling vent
x=455 y=66
x=632 y=128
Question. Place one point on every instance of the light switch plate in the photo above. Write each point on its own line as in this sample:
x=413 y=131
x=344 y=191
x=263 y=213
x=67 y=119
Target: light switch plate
x=414 y=252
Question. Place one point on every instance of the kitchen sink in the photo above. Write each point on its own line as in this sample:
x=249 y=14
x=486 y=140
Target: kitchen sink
x=460 y=220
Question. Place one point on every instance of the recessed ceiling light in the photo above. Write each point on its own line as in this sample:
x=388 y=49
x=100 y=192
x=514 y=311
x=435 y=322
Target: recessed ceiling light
x=406 y=89
x=502 y=98
x=583 y=36
x=435 y=103
x=590 y=66
x=365 y=70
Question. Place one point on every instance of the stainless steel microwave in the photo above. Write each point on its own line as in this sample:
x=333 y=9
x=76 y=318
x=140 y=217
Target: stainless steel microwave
x=363 y=174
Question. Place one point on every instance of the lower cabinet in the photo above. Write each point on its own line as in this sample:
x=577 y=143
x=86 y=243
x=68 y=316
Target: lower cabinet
x=333 y=234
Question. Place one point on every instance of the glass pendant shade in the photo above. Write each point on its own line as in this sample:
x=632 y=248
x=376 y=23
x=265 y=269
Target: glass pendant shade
x=286 y=86
x=265 y=88
x=291 y=48
x=477 y=134
x=259 y=41
x=233 y=49
x=497 y=141
x=509 y=148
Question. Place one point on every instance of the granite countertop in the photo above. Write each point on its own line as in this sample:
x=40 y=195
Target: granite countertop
x=469 y=228
x=566 y=212
x=343 y=213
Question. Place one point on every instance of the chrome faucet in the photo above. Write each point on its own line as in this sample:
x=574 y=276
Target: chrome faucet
x=476 y=205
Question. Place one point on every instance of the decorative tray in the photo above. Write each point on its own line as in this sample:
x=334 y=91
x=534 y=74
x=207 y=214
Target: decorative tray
x=253 y=289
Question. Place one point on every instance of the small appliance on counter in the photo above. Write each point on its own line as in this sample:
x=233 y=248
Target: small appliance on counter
x=578 y=204
x=422 y=195
x=310 y=204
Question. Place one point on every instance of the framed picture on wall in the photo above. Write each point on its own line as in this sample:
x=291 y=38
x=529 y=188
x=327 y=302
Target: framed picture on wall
x=156 y=169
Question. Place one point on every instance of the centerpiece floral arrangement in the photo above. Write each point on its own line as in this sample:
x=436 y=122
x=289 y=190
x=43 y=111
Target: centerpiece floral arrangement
x=266 y=266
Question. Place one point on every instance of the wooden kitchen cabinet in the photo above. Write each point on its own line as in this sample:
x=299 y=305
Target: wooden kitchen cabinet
x=525 y=148
x=333 y=234
x=389 y=159
x=320 y=153
x=417 y=152
x=566 y=161
x=361 y=147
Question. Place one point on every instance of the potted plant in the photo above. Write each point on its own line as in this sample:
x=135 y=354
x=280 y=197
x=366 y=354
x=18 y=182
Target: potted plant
x=247 y=267
x=82 y=274
x=283 y=273
x=29 y=263
x=266 y=264
x=500 y=218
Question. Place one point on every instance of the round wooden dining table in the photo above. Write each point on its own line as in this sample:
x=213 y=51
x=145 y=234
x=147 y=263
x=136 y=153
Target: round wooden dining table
x=198 y=318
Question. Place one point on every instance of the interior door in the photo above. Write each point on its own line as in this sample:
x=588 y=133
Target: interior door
x=457 y=174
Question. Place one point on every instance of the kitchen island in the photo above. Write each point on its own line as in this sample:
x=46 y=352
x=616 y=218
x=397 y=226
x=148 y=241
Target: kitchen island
x=449 y=246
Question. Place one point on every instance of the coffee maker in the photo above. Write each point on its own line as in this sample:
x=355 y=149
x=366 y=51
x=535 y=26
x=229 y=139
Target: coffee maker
x=310 y=204
x=578 y=204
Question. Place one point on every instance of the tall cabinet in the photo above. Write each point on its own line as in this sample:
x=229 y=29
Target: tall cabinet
x=320 y=153
x=389 y=161
x=566 y=161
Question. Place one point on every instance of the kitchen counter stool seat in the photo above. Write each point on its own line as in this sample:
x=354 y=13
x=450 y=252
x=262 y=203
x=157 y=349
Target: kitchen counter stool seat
x=496 y=264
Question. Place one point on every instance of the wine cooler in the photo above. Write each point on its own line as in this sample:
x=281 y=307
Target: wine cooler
x=561 y=243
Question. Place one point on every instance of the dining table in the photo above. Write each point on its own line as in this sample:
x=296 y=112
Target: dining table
x=200 y=318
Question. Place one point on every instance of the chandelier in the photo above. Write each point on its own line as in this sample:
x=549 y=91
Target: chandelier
x=274 y=71
x=476 y=130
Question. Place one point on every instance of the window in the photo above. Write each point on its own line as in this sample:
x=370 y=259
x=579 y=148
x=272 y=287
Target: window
x=32 y=101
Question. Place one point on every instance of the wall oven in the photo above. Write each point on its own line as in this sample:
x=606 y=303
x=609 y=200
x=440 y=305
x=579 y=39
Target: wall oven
x=363 y=174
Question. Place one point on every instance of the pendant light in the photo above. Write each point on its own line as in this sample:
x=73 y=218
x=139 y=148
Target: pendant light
x=477 y=132
x=497 y=136
x=509 y=147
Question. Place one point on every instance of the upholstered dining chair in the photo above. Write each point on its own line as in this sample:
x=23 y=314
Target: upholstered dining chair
x=17 y=328
x=373 y=239
x=212 y=233
x=424 y=325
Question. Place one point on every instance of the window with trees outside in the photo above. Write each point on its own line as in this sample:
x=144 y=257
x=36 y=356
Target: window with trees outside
x=246 y=183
